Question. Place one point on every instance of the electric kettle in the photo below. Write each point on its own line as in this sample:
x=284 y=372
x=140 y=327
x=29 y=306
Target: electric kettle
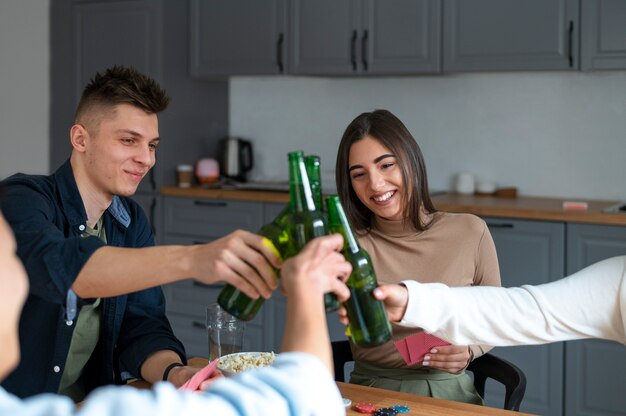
x=236 y=158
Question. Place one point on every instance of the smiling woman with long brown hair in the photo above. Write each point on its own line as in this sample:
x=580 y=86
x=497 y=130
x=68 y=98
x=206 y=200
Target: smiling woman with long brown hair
x=382 y=181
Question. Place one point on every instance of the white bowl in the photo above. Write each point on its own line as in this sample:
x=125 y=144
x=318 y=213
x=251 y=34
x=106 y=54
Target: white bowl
x=233 y=364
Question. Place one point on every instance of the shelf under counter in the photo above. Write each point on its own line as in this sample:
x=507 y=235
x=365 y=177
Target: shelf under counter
x=529 y=208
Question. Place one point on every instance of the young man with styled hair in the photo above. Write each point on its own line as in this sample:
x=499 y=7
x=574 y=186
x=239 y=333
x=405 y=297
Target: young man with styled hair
x=95 y=313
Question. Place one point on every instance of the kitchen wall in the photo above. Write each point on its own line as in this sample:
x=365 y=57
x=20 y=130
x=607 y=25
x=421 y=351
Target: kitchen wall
x=24 y=86
x=549 y=134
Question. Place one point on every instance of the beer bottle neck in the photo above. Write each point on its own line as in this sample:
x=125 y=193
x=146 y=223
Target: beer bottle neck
x=300 y=195
x=339 y=223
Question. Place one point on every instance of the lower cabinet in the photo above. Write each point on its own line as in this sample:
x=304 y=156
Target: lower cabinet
x=195 y=221
x=595 y=370
x=531 y=252
x=566 y=378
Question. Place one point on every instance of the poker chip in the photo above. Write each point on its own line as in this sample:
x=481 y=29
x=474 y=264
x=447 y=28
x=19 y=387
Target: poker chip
x=400 y=408
x=346 y=402
x=386 y=411
x=364 y=407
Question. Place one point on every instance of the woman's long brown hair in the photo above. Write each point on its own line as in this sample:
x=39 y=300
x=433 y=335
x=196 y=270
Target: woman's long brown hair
x=385 y=127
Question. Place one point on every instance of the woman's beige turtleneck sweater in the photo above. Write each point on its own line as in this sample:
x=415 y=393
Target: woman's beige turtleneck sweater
x=456 y=250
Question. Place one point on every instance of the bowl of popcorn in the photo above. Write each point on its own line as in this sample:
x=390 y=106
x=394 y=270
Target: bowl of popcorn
x=233 y=364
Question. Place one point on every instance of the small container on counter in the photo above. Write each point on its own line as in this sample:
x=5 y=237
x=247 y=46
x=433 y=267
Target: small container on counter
x=184 y=175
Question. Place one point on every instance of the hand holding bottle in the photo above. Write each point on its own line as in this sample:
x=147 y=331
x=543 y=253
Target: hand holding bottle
x=318 y=268
x=240 y=259
x=394 y=296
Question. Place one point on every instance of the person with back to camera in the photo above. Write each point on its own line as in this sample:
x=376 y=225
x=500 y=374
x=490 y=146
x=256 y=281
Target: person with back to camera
x=299 y=382
x=95 y=313
x=381 y=180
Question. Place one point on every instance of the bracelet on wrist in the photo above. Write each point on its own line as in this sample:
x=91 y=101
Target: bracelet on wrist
x=169 y=368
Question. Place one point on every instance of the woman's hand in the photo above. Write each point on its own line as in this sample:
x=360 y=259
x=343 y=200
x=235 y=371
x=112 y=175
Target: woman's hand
x=449 y=358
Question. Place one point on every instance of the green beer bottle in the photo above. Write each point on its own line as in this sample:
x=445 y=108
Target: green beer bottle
x=369 y=324
x=233 y=300
x=312 y=164
x=306 y=221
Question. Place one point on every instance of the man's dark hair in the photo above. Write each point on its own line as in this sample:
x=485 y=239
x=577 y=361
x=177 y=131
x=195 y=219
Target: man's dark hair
x=119 y=85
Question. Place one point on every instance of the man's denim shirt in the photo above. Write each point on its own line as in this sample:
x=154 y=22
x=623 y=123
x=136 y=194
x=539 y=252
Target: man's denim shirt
x=48 y=217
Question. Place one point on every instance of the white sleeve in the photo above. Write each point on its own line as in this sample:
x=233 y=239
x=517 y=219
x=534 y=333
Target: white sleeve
x=588 y=304
x=297 y=384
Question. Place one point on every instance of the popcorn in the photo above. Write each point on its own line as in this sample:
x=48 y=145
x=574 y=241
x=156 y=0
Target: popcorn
x=237 y=363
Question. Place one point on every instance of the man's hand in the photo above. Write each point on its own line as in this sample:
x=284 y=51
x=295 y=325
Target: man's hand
x=180 y=375
x=241 y=259
x=319 y=268
x=395 y=297
x=449 y=358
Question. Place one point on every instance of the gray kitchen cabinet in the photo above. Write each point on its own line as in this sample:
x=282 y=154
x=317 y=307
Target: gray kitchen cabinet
x=195 y=221
x=531 y=252
x=595 y=370
x=152 y=36
x=603 y=36
x=210 y=219
x=502 y=35
x=237 y=37
x=348 y=37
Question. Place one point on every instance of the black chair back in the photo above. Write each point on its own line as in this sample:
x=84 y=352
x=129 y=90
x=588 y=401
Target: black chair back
x=342 y=354
x=514 y=380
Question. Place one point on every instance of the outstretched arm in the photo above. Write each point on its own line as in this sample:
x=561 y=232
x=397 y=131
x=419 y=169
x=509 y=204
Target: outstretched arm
x=239 y=258
x=588 y=304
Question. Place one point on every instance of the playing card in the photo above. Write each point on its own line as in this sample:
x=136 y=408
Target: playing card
x=194 y=382
x=420 y=344
x=403 y=349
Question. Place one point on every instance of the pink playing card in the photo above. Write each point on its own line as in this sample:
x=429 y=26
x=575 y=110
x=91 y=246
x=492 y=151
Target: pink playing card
x=194 y=382
x=421 y=344
x=403 y=349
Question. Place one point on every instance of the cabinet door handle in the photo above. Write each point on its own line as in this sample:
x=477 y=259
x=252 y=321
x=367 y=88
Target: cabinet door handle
x=210 y=203
x=197 y=324
x=364 y=50
x=571 y=44
x=279 y=53
x=353 y=49
x=503 y=225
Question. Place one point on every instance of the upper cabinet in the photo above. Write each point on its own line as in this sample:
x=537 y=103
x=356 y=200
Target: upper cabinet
x=237 y=37
x=346 y=37
x=503 y=35
x=404 y=37
x=603 y=40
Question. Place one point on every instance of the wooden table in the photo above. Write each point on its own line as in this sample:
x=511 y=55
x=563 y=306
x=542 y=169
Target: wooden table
x=423 y=406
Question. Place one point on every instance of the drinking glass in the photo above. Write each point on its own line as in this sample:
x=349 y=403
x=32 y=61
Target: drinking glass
x=225 y=332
